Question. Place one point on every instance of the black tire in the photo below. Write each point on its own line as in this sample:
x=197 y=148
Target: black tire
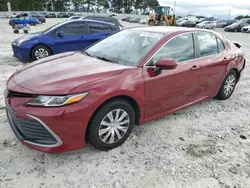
x=151 y=23
x=100 y=115
x=162 y=23
x=36 y=49
x=26 y=31
x=222 y=93
x=16 y=31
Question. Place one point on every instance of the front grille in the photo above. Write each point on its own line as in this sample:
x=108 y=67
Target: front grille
x=9 y=93
x=29 y=130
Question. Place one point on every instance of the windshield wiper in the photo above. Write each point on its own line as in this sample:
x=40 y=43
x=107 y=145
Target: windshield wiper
x=106 y=59
x=101 y=58
x=88 y=54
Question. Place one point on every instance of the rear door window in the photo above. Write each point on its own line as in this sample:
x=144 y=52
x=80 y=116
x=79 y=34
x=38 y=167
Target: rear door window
x=98 y=28
x=208 y=44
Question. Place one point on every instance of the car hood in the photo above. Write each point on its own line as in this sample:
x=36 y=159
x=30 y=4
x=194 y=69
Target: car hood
x=59 y=74
x=233 y=25
x=27 y=37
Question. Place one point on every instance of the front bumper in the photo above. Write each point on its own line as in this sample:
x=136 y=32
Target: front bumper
x=21 y=53
x=52 y=130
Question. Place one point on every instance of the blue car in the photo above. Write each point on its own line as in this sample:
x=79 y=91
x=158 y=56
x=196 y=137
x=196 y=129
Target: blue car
x=66 y=36
x=23 y=20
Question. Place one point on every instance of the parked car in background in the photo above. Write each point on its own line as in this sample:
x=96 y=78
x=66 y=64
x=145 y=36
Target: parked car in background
x=123 y=80
x=62 y=37
x=105 y=19
x=135 y=20
x=50 y=15
x=237 y=26
x=72 y=18
x=206 y=25
x=31 y=16
x=112 y=15
x=13 y=15
x=187 y=23
x=23 y=20
x=246 y=29
x=126 y=19
x=221 y=24
x=35 y=15
x=63 y=15
x=143 y=21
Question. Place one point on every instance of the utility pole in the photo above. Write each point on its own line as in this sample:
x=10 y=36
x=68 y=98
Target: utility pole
x=228 y=14
x=174 y=7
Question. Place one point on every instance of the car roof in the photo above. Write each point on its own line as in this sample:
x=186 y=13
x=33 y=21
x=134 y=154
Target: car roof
x=169 y=30
x=87 y=20
x=104 y=18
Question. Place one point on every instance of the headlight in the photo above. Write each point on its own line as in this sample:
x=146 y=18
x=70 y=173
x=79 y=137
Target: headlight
x=53 y=101
x=18 y=42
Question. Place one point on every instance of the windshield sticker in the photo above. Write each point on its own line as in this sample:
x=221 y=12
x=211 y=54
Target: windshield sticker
x=154 y=35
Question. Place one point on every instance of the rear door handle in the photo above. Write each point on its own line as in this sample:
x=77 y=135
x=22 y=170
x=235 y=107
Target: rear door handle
x=195 y=67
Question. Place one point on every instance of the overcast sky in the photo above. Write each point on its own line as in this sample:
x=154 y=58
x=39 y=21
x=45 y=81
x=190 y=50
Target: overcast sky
x=216 y=8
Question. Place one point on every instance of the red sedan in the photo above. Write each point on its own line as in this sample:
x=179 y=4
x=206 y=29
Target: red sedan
x=131 y=77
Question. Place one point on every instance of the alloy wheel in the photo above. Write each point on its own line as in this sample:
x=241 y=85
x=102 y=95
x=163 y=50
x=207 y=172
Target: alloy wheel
x=41 y=53
x=114 y=126
x=229 y=85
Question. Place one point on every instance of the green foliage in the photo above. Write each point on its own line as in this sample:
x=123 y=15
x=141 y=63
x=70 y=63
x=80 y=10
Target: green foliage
x=63 y=5
x=241 y=16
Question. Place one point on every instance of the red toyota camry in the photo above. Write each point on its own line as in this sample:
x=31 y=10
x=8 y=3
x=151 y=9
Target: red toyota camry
x=131 y=77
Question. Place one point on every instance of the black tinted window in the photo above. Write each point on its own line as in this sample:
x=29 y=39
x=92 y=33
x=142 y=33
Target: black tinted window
x=98 y=28
x=221 y=46
x=208 y=44
x=180 y=48
x=73 y=29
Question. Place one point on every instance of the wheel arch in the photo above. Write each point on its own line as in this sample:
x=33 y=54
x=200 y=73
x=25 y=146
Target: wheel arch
x=126 y=98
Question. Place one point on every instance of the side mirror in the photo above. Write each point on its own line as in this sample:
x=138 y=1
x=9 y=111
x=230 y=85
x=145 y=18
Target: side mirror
x=164 y=64
x=60 y=33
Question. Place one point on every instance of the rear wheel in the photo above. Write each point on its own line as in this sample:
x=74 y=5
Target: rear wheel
x=16 y=31
x=228 y=86
x=111 y=125
x=40 y=52
x=162 y=23
x=151 y=23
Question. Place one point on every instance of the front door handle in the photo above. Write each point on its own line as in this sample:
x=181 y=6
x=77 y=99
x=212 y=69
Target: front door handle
x=225 y=59
x=195 y=67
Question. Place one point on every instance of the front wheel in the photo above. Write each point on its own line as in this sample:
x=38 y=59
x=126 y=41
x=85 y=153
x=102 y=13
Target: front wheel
x=227 y=86
x=40 y=52
x=151 y=23
x=111 y=125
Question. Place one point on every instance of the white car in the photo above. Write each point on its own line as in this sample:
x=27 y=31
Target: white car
x=72 y=18
x=207 y=25
x=246 y=29
x=143 y=21
x=113 y=15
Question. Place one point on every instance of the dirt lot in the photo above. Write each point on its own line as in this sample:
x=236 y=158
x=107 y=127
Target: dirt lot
x=205 y=145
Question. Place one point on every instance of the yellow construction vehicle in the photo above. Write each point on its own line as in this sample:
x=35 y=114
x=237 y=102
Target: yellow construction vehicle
x=162 y=17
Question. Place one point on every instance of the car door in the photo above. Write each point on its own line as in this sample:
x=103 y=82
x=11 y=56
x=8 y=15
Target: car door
x=172 y=88
x=70 y=39
x=95 y=32
x=213 y=61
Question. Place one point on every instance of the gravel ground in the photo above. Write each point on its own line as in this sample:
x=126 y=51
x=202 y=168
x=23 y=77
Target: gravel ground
x=204 y=146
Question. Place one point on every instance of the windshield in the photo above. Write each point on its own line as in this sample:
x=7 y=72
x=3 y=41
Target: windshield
x=48 y=29
x=126 y=47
